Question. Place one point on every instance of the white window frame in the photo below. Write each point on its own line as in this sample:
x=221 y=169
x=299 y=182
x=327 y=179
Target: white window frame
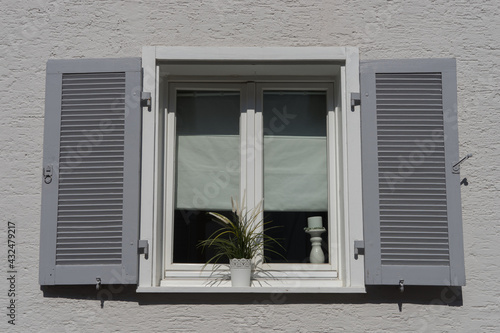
x=251 y=176
x=187 y=270
x=308 y=270
x=351 y=270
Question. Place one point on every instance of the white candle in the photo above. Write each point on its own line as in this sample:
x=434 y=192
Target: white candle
x=315 y=222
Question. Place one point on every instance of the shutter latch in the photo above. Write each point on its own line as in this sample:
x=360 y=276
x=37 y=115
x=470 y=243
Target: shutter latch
x=47 y=174
x=456 y=166
x=355 y=100
x=146 y=100
x=359 y=248
x=144 y=248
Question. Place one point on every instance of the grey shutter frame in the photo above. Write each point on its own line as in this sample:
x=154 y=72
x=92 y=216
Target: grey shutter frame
x=90 y=203
x=412 y=207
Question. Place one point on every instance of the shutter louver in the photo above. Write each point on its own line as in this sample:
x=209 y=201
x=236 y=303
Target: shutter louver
x=413 y=222
x=92 y=141
x=89 y=228
x=411 y=197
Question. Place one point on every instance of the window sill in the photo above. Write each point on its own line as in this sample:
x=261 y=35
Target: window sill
x=258 y=286
x=252 y=290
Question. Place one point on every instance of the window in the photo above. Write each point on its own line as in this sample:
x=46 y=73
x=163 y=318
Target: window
x=206 y=167
x=257 y=125
x=124 y=205
x=283 y=150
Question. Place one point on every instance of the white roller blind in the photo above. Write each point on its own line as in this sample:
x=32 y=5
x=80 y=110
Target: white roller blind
x=295 y=174
x=208 y=150
x=208 y=171
x=295 y=151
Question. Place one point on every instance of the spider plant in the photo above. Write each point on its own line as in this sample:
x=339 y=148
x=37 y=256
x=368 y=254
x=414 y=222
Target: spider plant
x=243 y=236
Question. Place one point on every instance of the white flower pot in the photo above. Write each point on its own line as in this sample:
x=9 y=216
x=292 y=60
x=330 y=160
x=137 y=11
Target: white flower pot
x=241 y=272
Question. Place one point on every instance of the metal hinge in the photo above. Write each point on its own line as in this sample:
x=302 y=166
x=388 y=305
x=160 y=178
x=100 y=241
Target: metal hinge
x=456 y=165
x=146 y=100
x=359 y=248
x=355 y=100
x=143 y=247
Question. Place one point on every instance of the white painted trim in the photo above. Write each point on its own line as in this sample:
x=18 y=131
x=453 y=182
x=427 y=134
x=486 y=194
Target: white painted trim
x=342 y=180
x=169 y=176
x=189 y=53
x=333 y=188
x=149 y=124
x=253 y=290
x=308 y=271
x=223 y=281
x=354 y=205
x=252 y=132
x=158 y=206
x=351 y=272
x=331 y=144
x=170 y=162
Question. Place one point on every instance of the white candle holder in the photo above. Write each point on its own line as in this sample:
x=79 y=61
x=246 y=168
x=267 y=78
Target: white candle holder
x=317 y=256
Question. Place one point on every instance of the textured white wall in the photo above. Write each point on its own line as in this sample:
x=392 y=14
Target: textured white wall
x=34 y=31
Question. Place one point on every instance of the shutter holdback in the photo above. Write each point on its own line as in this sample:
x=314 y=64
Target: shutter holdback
x=97 y=284
x=456 y=166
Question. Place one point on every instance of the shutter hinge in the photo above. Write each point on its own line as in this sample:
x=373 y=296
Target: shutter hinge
x=355 y=100
x=359 y=248
x=146 y=100
x=456 y=166
x=143 y=247
x=47 y=173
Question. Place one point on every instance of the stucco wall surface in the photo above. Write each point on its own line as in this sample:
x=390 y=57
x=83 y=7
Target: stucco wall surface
x=34 y=31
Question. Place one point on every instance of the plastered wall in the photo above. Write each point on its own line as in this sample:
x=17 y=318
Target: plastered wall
x=34 y=31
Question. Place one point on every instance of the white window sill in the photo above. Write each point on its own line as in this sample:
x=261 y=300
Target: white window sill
x=316 y=285
x=252 y=290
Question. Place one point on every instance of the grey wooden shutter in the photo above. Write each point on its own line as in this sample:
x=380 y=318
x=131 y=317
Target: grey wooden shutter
x=91 y=176
x=411 y=197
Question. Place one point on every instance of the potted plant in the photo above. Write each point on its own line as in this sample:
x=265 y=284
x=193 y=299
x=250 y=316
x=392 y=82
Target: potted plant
x=241 y=238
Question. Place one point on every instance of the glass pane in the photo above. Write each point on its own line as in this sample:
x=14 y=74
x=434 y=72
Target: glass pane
x=295 y=168
x=207 y=166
